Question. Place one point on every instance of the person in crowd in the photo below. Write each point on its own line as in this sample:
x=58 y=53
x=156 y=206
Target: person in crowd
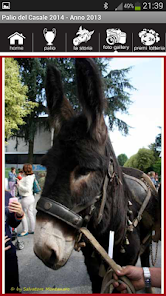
x=137 y=277
x=19 y=177
x=157 y=181
x=12 y=180
x=13 y=216
x=25 y=188
x=152 y=176
x=20 y=174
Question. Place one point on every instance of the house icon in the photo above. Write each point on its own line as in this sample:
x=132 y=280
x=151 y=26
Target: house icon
x=16 y=38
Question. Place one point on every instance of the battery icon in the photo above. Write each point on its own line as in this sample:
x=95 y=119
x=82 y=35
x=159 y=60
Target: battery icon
x=137 y=6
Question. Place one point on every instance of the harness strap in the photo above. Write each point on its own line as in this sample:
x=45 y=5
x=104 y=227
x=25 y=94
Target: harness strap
x=150 y=183
x=100 y=216
x=108 y=178
x=143 y=207
x=107 y=259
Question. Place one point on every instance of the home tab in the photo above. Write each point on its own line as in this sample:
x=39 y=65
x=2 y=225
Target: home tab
x=16 y=38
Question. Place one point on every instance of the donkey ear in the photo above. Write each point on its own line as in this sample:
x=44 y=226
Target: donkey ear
x=91 y=96
x=58 y=106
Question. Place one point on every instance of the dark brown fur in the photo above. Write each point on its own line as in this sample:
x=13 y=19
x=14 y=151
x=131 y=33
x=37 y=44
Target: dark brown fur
x=78 y=162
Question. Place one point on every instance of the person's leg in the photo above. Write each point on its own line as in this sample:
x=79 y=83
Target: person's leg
x=25 y=224
x=31 y=216
x=12 y=188
x=11 y=274
x=10 y=185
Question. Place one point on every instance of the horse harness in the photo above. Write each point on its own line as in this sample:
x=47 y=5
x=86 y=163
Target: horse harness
x=71 y=217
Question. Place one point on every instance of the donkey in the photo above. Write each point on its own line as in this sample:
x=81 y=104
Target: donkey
x=77 y=165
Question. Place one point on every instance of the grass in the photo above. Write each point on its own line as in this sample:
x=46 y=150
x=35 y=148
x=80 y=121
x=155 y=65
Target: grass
x=7 y=170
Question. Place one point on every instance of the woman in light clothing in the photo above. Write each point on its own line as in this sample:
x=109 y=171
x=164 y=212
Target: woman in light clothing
x=25 y=188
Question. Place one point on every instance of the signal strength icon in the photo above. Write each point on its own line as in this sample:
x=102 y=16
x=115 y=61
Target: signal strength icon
x=120 y=7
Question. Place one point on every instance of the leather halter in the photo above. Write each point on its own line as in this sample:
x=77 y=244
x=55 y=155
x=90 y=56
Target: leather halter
x=58 y=210
x=63 y=213
x=71 y=217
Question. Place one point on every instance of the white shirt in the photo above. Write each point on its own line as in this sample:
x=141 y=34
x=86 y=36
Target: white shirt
x=25 y=186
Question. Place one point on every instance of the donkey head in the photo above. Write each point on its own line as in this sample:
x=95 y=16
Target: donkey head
x=77 y=162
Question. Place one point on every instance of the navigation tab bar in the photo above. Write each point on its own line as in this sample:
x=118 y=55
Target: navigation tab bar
x=83 y=38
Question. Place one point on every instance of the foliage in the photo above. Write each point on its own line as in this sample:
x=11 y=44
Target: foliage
x=122 y=158
x=33 y=74
x=157 y=166
x=118 y=98
x=131 y=162
x=158 y=142
x=7 y=170
x=156 y=146
x=153 y=147
x=147 y=159
x=17 y=105
x=143 y=160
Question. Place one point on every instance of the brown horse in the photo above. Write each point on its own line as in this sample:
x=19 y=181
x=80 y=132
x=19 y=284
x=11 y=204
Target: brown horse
x=82 y=169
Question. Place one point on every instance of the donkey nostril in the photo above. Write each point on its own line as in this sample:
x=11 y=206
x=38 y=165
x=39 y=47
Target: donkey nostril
x=53 y=258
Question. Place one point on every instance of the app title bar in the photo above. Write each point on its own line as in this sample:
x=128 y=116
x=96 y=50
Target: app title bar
x=81 y=17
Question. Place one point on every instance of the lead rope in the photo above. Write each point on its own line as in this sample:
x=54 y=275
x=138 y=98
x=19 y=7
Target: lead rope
x=110 y=262
x=107 y=283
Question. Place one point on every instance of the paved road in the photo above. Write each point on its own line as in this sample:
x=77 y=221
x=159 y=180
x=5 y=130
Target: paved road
x=36 y=278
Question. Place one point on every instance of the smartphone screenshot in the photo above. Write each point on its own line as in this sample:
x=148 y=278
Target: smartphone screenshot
x=82 y=133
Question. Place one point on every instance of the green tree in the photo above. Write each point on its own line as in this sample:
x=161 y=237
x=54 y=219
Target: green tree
x=157 y=166
x=17 y=105
x=33 y=74
x=116 y=87
x=122 y=158
x=156 y=148
x=131 y=162
x=158 y=142
x=143 y=160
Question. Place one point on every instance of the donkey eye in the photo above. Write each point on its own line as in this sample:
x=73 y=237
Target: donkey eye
x=82 y=172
